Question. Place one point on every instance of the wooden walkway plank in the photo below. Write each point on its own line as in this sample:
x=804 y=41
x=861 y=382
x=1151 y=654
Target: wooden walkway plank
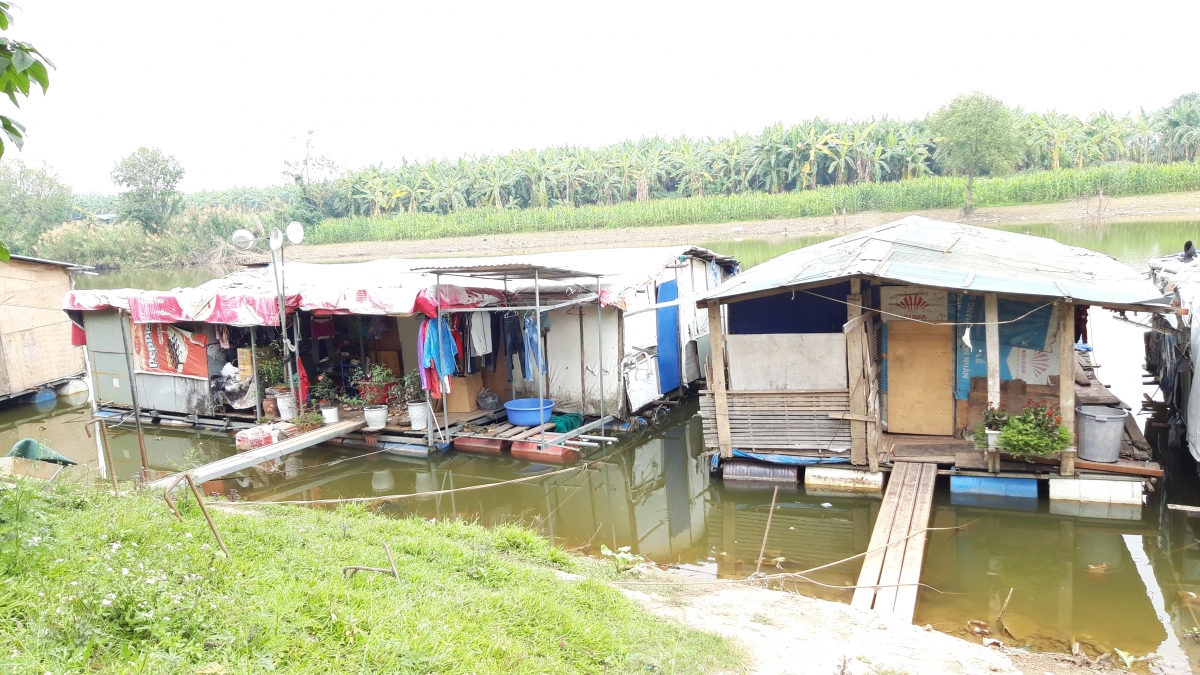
x=914 y=551
x=864 y=595
x=245 y=460
x=893 y=560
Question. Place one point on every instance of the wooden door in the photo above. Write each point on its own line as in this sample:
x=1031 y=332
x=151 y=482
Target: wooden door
x=920 y=378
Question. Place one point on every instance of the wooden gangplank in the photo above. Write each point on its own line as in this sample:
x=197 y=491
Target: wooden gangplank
x=245 y=460
x=892 y=567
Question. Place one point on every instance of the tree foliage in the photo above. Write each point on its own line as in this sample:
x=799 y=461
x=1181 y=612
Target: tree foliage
x=151 y=181
x=975 y=134
x=32 y=200
x=22 y=67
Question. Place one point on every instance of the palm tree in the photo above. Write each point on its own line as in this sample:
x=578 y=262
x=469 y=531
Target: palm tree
x=768 y=159
x=691 y=168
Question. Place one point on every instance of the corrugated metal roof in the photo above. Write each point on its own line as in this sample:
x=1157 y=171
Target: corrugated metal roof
x=926 y=252
x=58 y=263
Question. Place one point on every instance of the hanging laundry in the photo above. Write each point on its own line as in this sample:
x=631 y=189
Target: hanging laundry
x=533 y=347
x=514 y=345
x=440 y=348
x=321 y=327
x=376 y=328
x=481 y=333
x=223 y=335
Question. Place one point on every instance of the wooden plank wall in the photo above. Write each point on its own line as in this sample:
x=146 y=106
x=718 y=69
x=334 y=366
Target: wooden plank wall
x=782 y=420
x=35 y=333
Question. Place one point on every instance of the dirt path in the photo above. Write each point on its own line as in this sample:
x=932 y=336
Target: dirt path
x=1174 y=206
x=789 y=634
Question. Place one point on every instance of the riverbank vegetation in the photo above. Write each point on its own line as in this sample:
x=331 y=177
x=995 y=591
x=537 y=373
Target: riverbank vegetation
x=815 y=168
x=96 y=583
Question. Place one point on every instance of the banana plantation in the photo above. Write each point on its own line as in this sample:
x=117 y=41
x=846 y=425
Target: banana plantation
x=779 y=159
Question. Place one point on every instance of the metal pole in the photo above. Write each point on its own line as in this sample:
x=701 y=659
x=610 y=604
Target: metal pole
x=537 y=343
x=254 y=365
x=600 y=339
x=296 y=351
x=275 y=264
x=362 y=349
x=445 y=377
x=137 y=408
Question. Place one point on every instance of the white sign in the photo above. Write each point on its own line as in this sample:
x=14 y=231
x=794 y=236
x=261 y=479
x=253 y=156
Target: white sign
x=913 y=302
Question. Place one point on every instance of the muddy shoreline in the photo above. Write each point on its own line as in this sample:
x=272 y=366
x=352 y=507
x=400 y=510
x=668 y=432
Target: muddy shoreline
x=1085 y=213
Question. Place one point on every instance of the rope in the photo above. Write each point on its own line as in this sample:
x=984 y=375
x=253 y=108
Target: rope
x=928 y=323
x=434 y=493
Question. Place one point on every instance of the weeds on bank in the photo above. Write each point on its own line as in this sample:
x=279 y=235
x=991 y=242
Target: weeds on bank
x=96 y=583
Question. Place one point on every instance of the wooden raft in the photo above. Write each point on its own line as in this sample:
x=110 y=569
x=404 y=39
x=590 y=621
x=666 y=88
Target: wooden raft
x=782 y=420
x=889 y=577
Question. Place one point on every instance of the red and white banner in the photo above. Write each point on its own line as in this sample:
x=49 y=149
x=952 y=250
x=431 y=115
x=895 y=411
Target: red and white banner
x=169 y=350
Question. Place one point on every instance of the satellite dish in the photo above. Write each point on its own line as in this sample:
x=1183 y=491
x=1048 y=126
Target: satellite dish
x=295 y=232
x=276 y=239
x=243 y=240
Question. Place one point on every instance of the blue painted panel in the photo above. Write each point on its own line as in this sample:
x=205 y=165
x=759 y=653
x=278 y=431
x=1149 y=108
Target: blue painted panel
x=994 y=486
x=669 y=374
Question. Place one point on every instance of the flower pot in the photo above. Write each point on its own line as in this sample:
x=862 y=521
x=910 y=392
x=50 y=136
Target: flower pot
x=330 y=414
x=287 y=407
x=376 y=416
x=993 y=438
x=269 y=409
x=418 y=415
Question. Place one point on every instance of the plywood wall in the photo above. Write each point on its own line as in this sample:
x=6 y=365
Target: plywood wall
x=35 y=333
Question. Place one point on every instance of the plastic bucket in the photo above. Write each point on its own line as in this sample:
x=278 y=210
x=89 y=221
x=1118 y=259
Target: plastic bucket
x=529 y=412
x=287 y=407
x=330 y=415
x=376 y=416
x=418 y=416
x=1100 y=430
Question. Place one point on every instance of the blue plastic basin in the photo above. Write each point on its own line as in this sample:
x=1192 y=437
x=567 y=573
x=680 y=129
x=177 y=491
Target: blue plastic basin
x=529 y=412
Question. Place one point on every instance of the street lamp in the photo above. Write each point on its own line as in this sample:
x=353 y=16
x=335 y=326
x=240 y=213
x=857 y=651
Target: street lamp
x=244 y=240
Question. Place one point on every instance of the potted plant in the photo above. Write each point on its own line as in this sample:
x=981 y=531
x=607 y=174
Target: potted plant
x=326 y=394
x=414 y=399
x=1037 y=432
x=988 y=433
x=376 y=384
x=308 y=421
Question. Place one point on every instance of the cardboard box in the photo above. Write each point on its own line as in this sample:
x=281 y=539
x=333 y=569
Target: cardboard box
x=245 y=363
x=463 y=391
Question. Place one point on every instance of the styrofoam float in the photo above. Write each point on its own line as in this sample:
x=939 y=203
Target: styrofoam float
x=530 y=450
x=485 y=446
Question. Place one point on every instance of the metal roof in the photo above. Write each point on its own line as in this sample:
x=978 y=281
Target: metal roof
x=43 y=261
x=502 y=271
x=925 y=252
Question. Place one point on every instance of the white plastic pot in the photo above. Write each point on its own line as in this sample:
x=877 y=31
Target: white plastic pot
x=287 y=407
x=330 y=414
x=376 y=416
x=418 y=415
x=993 y=438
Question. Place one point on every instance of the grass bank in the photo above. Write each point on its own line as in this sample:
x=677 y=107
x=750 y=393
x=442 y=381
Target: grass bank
x=1116 y=180
x=95 y=583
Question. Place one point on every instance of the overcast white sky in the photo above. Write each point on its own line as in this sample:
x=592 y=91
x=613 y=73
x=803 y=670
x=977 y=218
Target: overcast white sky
x=231 y=87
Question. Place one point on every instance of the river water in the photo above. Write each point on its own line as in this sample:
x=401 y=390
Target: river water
x=1102 y=583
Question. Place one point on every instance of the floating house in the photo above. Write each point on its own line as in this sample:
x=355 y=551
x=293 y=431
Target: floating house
x=618 y=321
x=36 y=347
x=1171 y=343
x=889 y=345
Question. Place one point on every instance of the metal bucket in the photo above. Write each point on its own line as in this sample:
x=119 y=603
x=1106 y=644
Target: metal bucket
x=1100 y=430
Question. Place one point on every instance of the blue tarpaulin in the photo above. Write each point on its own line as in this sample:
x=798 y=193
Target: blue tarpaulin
x=781 y=459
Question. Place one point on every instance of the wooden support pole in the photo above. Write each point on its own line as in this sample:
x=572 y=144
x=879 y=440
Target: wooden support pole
x=859 y=385
x=992 y=318
x=716 y=382
x=1066 y=379
x=854 y=300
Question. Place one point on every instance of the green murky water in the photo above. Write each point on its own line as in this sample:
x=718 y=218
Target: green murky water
x=1105 y=580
